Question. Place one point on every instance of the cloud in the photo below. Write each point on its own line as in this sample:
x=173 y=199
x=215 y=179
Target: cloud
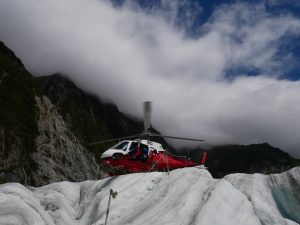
x=255 y=37
x=129 y=55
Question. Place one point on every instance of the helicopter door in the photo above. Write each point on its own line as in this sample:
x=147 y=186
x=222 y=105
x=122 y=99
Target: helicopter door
x=144 y=151
x=133 y=148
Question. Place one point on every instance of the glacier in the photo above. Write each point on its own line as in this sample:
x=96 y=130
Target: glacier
x=185 y=196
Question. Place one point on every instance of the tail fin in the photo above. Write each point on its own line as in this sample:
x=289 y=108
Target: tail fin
x=203 y=160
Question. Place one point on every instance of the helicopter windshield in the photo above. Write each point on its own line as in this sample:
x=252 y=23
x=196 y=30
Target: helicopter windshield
x=122 y=146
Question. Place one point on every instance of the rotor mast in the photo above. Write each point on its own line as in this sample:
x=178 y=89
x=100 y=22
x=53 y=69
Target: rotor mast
x=147 y=116
x=146 y=134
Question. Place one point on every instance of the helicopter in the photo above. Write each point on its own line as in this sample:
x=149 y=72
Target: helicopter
x=137 y=153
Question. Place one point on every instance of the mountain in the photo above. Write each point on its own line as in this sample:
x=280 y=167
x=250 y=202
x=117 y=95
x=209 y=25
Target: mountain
x=87 y=116
x=186 y=196
x=255 y=158
x=43 y=139
x=46 y=124
x=36 y=147
x=18 y=123
x=92 y=120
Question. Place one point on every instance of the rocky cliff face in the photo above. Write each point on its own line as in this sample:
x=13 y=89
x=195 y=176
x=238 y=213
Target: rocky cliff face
x=36 y=146
x=18 y=118
x=87 y=116
x=59 y=154
x=11 y=166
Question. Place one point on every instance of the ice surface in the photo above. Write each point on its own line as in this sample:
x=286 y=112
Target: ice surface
x=186 y=196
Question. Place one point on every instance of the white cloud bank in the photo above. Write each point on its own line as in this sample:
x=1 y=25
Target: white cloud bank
x=129 y=56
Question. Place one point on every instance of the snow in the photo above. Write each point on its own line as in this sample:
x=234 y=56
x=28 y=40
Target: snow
x=275 y=198
x=186 y=196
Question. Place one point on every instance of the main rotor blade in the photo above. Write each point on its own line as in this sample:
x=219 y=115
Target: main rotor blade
x=173 y=137
x=113 y=139
x=147 y=116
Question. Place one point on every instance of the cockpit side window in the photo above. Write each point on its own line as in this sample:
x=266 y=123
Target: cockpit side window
x=132 y=148
x=122 y=146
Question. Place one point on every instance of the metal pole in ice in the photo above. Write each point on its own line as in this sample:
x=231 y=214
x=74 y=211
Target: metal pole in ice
x=113 y=194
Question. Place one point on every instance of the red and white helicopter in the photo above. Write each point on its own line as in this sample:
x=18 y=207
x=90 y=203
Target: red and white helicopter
x=142 y=154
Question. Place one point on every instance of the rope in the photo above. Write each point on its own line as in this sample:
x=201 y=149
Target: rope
x=146 y=173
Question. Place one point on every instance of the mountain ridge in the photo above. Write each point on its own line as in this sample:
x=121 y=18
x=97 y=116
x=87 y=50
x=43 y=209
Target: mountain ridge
x=254 y=158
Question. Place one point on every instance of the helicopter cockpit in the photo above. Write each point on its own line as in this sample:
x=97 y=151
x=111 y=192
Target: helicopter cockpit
x=130 y=147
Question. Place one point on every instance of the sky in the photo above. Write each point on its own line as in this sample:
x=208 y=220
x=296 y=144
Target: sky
x=223 y=71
